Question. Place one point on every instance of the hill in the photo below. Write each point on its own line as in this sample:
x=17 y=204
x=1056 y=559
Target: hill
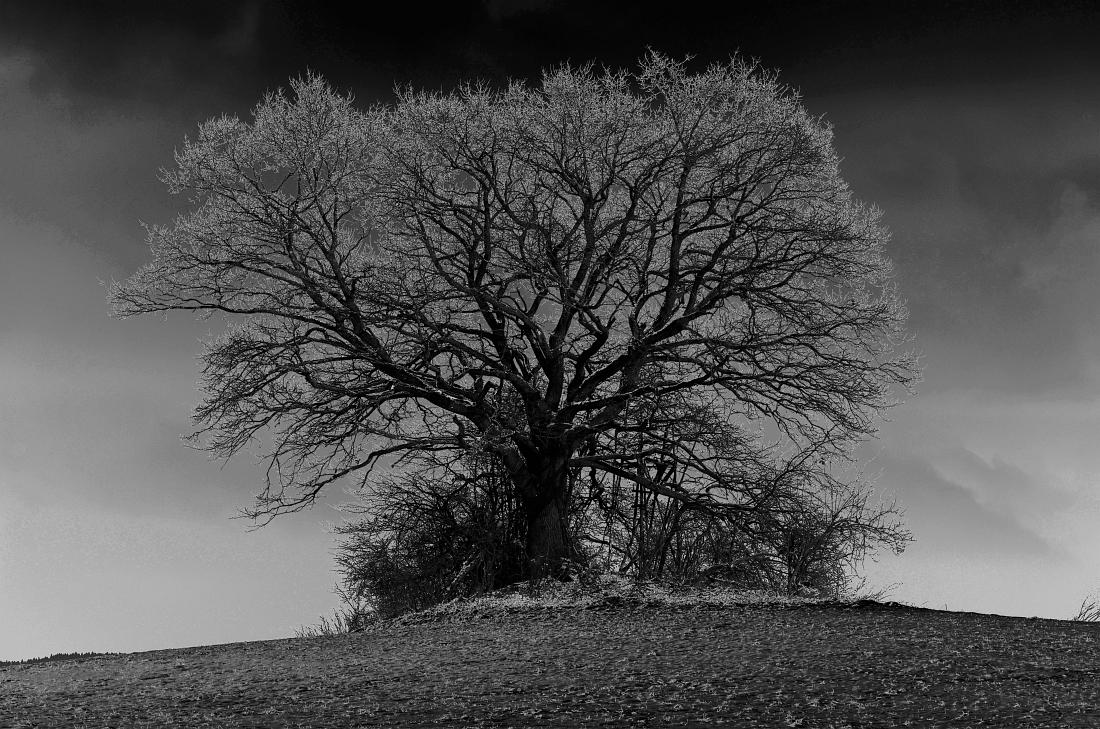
x=616 y=661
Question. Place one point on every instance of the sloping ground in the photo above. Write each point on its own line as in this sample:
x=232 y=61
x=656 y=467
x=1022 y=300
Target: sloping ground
x=613 y=663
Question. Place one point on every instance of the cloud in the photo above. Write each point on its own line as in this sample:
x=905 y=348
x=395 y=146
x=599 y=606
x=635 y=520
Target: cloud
x=498 y=9
x=84 y=176
x=974 y=472
x=1064 y=257
x=93 y=407
x=989 y=193
x=135 y=53
x=946 y=517
x=1000 y=486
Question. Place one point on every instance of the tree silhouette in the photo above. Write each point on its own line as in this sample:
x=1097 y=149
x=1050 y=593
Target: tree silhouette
x=611 y=273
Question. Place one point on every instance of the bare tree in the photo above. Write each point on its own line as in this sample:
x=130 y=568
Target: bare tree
x=517 y=270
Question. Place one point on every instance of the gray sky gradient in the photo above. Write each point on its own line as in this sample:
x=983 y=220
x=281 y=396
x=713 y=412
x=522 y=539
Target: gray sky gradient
x=976 y=129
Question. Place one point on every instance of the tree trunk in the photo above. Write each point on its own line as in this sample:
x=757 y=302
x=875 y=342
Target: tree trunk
x=549 y=548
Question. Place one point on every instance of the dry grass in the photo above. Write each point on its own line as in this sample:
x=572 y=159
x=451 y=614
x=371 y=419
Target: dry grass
x=602 y=590
x=1089 y=612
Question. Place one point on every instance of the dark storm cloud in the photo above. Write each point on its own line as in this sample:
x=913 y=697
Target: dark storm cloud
x=161 y=51
x=991 y=192
x=132 y=50
x=79 y=175
x=170 y=53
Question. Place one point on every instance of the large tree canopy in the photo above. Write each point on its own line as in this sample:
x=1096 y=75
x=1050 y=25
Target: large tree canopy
x=658 y=276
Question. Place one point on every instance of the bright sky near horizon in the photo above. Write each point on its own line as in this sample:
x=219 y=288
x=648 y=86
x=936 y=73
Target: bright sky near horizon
x=975 y=127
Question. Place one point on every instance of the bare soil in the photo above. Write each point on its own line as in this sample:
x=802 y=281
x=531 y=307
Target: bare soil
x=615 y=663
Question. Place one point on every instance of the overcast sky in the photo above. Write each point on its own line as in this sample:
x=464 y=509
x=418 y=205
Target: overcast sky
x=974 y=126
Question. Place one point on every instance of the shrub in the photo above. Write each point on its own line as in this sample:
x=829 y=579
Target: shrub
x=428 y=537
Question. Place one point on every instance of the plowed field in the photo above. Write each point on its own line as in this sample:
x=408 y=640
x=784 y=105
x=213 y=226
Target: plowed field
x=608 y=665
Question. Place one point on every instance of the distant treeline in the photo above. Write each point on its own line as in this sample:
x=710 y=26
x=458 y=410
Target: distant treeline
x=56 y=657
